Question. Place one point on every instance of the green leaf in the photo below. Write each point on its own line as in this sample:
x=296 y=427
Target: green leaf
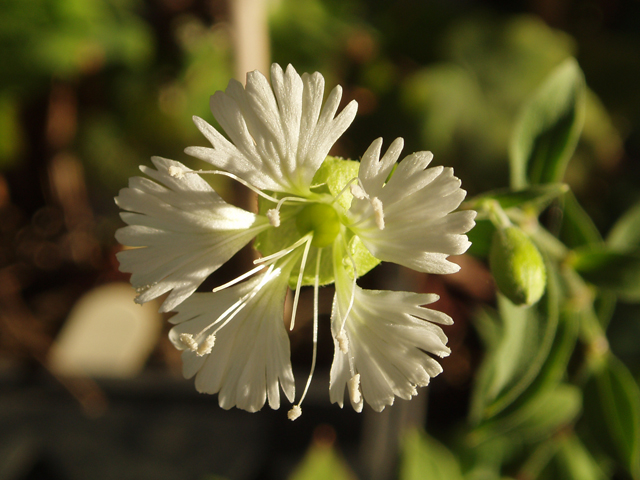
x=577 y=227
x=423 y=457
x=619 y=398
x=616 y=272
x=575 y=461
x=551 y=411
x=624 y=237
x=320 y=463
x=549 y=127
x=480 y=237
x=538 y=196
x=604 y=306
x=485 y=461
x=526 y=336
x=554 y=368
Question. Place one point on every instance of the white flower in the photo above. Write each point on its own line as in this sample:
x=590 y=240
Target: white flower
x=320 y=220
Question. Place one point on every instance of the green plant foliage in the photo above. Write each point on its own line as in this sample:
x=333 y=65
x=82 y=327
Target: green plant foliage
x=549 y=127
x=616 y=272
x=521 y=341
x=423 y=458
x=64 y=38
x=624 y=236
x=323 y=29
x=321 y=462
x=551 y=411
x=465 y=102
x=536 y=196
x=619 y=398
x=577 y=228
x=480 y=238
x=575 y=461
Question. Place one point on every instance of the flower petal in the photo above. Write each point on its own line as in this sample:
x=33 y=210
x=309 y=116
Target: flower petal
x=420 y=231
x=279 y=134
x=390 y=336
x=185 y=228
x=250 y=358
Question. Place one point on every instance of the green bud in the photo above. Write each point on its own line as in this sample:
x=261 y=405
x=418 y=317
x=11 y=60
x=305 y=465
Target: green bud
x=517 y=266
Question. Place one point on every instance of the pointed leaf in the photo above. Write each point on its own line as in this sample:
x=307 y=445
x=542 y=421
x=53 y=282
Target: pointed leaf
x=526 y=337
x=321 y=462
x=480 y=237
x=575 y=461
x=616 y=272
x=425 y=458
x=538 y=196
x=577 y=227
x=549 y=127
x=625 y=235
x=619 y=397
x=551 y=411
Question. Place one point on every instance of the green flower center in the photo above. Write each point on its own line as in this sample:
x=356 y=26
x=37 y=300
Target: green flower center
x=322 y=220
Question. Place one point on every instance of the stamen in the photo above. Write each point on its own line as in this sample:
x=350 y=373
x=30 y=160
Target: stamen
x=354 y=389
x=285 y=251
x=349 y=186
x=238 y=279
x=188 y=341
x=240 y=304
x=206 y=346
x=315 y=332
x=303 y=264
x=274 y=214
x=378 y=212
x=274 y=217
x=176 y=172
x=291 y=199
x=230 y=175
x=343 y=341
x=234 y=309
x=294 y=413
x=353 y=286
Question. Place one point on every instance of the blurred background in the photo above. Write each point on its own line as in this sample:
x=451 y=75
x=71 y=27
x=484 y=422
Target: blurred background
x=90 y=386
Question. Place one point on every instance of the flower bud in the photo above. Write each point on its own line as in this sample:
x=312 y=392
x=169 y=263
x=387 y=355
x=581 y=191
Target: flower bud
x=517 y=266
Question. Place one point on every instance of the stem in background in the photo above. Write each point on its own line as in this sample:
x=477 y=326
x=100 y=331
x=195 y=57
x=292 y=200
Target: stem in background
x=250 y=36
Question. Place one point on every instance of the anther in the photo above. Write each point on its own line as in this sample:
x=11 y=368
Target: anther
x=294 y=413
x=357 y=191
x=176 y=172
x=188 y=341
x=274 y=217
x=343 y=341
x=378 y=212
x=206 y=346
x=354 y=389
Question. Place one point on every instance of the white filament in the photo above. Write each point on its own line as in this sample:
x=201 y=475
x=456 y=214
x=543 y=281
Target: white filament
x=303 y=264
